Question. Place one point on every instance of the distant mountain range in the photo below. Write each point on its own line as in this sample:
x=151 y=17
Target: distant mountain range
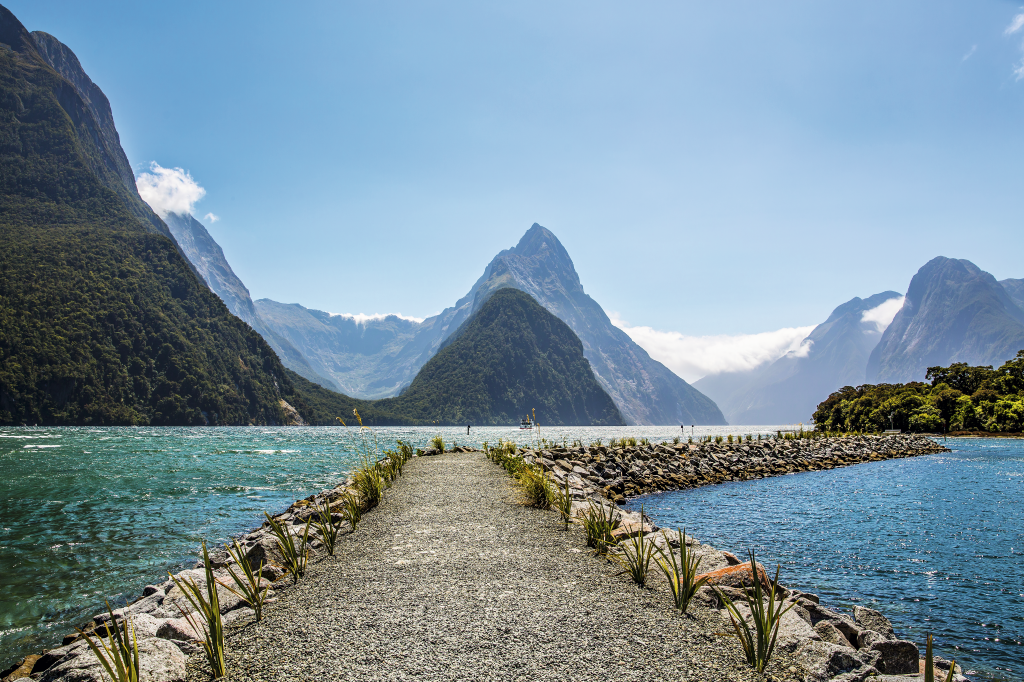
x=953 y=312
x=787 y=391
x=377 y=357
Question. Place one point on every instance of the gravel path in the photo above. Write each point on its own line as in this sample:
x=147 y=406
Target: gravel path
x=452 y=579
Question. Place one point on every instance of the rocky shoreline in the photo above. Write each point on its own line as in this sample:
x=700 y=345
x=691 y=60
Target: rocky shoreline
x=826 y=645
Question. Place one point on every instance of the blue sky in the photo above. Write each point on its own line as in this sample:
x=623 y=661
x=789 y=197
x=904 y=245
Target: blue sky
x=712 y=168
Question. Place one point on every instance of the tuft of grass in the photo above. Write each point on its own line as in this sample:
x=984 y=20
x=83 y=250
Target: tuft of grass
x=929 y=665
x=119 y=654
x=247 y=584
x=437 y=442
x=206 y=603
x=598 y=524
x=323 y=519
x=563 y=503
x=352 y=509
x=596 y=443
x=637 y=554
x=681 y=572
x=766 y=612
x=535 y=485
x=295 y=558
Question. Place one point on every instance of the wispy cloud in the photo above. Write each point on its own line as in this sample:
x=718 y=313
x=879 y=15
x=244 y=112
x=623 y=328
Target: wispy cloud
x=1015 y=25
x=970 y=53
x=881 y=315
x=169 y=190
x=212 y=217
x=360 y=318
x=693 y=357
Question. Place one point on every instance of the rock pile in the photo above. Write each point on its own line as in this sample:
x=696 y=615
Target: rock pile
x=602 y=472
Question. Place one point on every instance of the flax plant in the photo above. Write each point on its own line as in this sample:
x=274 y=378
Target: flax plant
x=119 y=654
x=295 y=558
x=323 y=519
x=352 y=510
x=637 y=554
x=247 y=586
x=206 y=602
x=766 y=613
x=563 y=503
x=681 y=572
x=536 y=486
x=598 y=524
x=929 y=665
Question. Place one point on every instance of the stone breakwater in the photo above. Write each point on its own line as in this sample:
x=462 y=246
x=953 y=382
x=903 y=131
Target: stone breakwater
x=615 y=473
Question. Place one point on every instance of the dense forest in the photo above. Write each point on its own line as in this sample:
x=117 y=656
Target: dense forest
x=958 y=398
x=102 y=321
x=510 y=358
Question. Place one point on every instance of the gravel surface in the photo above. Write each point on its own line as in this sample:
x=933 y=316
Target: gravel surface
x=451 y=578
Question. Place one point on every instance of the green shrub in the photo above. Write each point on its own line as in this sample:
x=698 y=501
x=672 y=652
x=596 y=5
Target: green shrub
x=120 y=660
x=766 y=612
x=598 y=524
x=295 y=558
x=636 y=555
x=681 y=573
x=247 y=584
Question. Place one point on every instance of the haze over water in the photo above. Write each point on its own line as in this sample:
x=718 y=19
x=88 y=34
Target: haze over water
x=94 y=513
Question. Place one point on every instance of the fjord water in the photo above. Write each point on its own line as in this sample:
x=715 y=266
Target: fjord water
x=935 y=543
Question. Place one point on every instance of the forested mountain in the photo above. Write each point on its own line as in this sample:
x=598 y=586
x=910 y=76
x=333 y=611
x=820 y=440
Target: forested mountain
x=376 y=357
x=207 y=257
x=510 y=358
x=788 y=390
x=953 y=312
x=102 y=320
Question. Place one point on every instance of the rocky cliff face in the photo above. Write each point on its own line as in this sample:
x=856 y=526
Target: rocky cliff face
x=206 y=256
x=1015 y=289
x=953 y=312
x=787 y=391
x=375 y=358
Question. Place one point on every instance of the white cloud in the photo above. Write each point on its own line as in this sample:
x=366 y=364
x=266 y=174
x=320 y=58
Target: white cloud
x=882 y=315
x=363 y=319
x=169 y=190
x=1015 y=25
x=212 y=217
x=970 y=53
x=692 y=357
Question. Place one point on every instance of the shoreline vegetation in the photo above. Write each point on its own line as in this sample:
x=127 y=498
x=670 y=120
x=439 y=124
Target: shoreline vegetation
x=584 y=484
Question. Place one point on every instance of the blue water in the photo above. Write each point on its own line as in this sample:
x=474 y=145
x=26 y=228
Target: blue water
x=88 y=514
x=936 y=542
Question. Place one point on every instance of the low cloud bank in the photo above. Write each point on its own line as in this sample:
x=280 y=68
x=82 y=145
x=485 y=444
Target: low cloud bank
x=693 y=357
x=169 y=190
x=363 y=319
x=882 y=315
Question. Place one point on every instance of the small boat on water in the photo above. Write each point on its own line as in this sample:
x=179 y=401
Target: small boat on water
x=525 y=424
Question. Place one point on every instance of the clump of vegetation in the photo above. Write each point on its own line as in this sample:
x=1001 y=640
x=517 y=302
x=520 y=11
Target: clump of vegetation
x=958 y=398
x=929 y=665
x=681 y=573
x=637 y=554
x=535 y=485
x=247 y=585
x=437 y=442
x=295 y=558
x=120 y=660
x=323 y=519
x=598 y=524
x=206 y=603
x=766 y=612
x=562 y=502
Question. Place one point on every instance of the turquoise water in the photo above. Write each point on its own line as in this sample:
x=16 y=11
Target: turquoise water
x=88 y=514
x=935 y=542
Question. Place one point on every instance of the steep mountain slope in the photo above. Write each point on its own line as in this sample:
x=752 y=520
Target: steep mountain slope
x=954 y=312
x=206 y=256
x=511 y=357
x=102 y=321
x=788 y=390
x=375 y=357
x=1015 y=289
